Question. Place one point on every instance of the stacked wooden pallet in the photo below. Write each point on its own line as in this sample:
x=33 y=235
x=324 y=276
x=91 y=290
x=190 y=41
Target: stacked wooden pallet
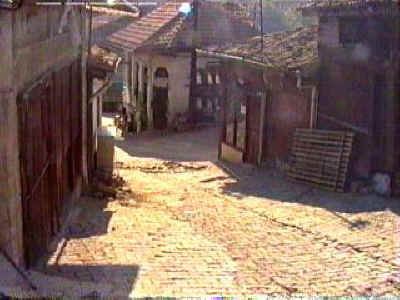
x=321 y=157
x=396 y=184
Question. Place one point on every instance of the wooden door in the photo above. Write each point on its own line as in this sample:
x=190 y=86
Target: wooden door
x=160 y=107
x=253 y=122
x=50 y=154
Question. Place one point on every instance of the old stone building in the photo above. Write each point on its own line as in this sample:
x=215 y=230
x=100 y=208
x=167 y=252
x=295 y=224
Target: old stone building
x=352 y=86
x=157 y=56
x=46 y=109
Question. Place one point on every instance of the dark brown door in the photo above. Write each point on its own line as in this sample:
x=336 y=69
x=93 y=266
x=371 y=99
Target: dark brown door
x=160 y=107
x=253 y=117
x=50 y=148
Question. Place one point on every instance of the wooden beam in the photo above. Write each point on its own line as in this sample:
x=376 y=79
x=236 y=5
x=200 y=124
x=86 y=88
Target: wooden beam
x=261 y=131
x=346 y=124
x=139 y=102
x=150 y=77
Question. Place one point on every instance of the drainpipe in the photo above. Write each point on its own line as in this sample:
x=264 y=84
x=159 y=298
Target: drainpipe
x=314 y=98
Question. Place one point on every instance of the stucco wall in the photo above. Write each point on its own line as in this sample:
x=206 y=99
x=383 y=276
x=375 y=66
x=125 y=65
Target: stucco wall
x=38 y=46
x=178 y=68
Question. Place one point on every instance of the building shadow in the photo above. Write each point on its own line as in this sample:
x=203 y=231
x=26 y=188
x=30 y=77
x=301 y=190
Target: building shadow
x=94 y=281
x=90 y=218
x=191 y=146
x=270 y=184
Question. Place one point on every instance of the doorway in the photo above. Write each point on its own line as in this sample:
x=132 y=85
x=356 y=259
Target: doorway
x=160 y=99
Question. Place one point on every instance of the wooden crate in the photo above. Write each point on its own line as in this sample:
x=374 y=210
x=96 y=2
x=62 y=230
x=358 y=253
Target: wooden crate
x=321 y=157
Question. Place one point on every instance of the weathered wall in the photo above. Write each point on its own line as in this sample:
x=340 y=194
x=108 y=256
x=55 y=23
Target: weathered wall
x=354 y=93
x=30 y=46
x=10 y=189
x=38 y=46
x=346 y=103
x=288 y=108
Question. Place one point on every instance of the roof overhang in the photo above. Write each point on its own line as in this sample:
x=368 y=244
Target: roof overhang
x=101 y=63
x=308 y=70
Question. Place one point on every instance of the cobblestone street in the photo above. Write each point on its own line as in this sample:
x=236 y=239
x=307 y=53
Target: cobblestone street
x=184 y=225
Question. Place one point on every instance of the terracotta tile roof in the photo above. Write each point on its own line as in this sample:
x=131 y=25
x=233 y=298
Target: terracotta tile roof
x=175 y=35
x=284 y=50
x=165 y=28
x=136 y=34
x=218 y=23
x=318 y=5
x=115 y=12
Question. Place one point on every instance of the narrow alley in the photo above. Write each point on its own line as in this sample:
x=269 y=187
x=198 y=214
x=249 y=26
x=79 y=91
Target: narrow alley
x=183 y=224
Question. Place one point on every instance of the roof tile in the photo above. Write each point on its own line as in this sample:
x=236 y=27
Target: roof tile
x=288 y=50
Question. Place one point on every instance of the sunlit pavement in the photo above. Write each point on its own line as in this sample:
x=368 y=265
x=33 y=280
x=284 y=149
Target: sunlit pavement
x=184 y=226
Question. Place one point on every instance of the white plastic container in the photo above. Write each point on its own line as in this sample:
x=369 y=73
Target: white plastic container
x=105 y=149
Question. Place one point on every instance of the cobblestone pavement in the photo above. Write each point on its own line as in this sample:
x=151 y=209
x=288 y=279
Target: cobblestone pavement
x=189 y=228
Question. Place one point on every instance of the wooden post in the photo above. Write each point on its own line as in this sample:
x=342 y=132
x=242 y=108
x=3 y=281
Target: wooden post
x=150 y=97
x=133 y=80
x=314 y=107
x=261 y=26
x=139 y=101
x=263 y=104
x=85 y=99
x=193 y=64
x=222 y=127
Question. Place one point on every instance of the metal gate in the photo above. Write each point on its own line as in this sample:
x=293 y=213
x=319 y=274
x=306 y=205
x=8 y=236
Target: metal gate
x=50 y=152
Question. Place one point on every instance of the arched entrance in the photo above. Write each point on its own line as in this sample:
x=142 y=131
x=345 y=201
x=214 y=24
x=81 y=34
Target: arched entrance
x=160 y=99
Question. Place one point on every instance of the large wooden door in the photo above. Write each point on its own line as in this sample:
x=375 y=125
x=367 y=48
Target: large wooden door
x=286 y=111
x=50 y=151
x=253 y=122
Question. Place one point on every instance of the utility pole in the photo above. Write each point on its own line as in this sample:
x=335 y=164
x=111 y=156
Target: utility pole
x=261 y=25
x=193 y=63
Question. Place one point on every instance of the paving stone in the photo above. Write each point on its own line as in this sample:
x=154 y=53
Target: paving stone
x=190 y=235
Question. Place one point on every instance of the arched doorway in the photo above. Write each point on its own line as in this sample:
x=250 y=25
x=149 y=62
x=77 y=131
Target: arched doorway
x=160 y=99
